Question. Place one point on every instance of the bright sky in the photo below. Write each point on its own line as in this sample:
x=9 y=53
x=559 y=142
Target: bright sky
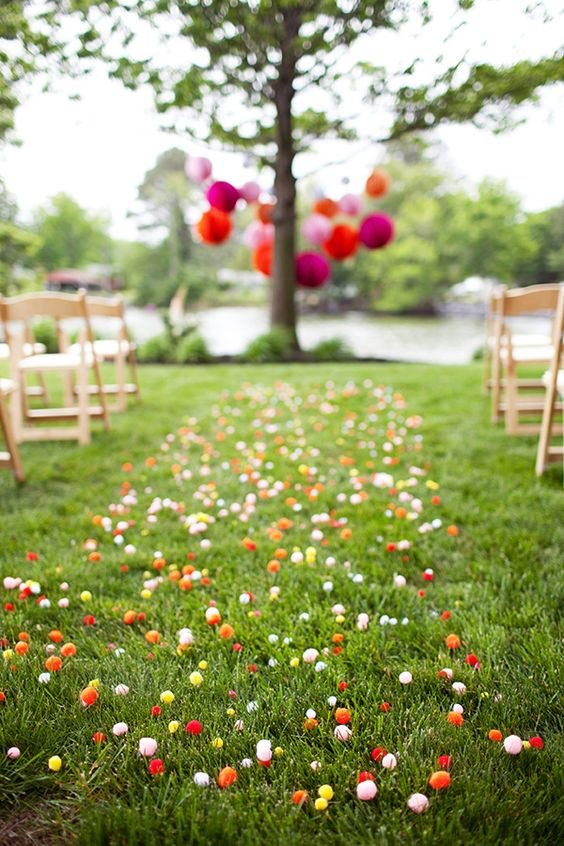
x=98 y=149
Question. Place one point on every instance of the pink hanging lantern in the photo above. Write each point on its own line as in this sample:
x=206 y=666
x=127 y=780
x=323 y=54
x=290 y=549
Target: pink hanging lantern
x=312 y=270
x=222 y=196
x=376 y=230
x=350 y=204
x=250 y=192
x=197 y=168
x=258 y=233
x=316 y=229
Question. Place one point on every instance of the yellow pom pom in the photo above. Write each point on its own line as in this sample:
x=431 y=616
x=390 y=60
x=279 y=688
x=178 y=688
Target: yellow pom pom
x=295 y=662
x=55 y=763
x=196 y=678
x=167 y=696
x=8 y=654
x=86 y=596
x=203 y=665
x=278 y=751
x=325 y=791
x=217 y=743
x=94 y=683
x=526 y=744
x=339 y=618
x=321 y=804
x=146 y=594
x=173 y=726
x=230 y=712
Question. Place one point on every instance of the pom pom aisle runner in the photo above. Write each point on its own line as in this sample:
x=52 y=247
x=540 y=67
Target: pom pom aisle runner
x=275 y=618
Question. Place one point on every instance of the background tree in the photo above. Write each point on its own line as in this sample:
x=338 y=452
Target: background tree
x=70 y=236
x=18 y=246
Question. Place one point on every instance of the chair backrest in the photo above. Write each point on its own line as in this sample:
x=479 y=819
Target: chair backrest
x=529 y=300
x=105 y=307
x=56 y=306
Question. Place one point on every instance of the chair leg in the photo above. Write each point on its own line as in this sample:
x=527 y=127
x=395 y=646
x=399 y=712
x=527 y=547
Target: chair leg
x=496 y=387
x=512 y=411
x=83 y=416
x=11 y=445
x=120 y=382
x=133 y=372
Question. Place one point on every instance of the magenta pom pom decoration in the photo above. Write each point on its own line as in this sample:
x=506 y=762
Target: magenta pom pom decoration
x=316 y=229
x=222 y=196
x=350 y=204
x=250 y=192
x=376 y=230
x=312 y=270
x=198 y=168
x=257 y=233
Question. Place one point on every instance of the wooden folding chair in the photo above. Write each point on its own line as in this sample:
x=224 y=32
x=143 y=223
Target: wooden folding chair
x=30 y=347
x=79 y=365
x=120 y=351
x=11 y=456
x=546 y=451
x=511 y=352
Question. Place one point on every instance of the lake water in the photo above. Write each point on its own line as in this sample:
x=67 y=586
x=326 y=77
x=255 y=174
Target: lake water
x=436 y=340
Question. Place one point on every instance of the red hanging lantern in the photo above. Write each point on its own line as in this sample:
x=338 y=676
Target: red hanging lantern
x=262 y=259
x=264 y=212
x=214 y=226
x=342 y=242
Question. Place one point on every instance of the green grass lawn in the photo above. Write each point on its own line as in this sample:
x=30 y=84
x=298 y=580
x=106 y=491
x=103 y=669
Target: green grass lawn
x=206 y=431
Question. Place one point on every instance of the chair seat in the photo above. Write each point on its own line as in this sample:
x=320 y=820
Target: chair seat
x=106 y=348
x=559 y=381
x=529 y=355
x=28 y=349
x=52 y=361
x=6 y=386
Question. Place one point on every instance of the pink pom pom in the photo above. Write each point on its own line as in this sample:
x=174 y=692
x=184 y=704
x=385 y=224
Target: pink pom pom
x=350 y=204
x=316 y=229
x=197 y=168
x=512 y=744
x=366 y=790
x=417 y=803
x=222 y=196
x=257 y=233
x=147 y=747
x=250 y=192
x=13 y=753
x=312 y=270
x=376 y=230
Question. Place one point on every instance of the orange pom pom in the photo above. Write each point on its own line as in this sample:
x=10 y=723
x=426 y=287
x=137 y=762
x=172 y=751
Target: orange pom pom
x=129 y=618
x=299 y=797
x=326 y=207
x=226 y=777
x=454 y=718
x=226 y=631
x=89 y=696
x=439 y=780
x=53 y=664
x=343 y=716
x=452 y=641
x=55 y=636
x=21 y=647
x=377 y=183
x=152 y=636
x=68 y=650
x=214 y=226
x=495 y=735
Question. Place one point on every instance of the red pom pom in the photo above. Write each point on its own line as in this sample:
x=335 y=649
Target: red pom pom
x=214 y=226
x=156 y=767
x=378 y=753
x=193 y=727
x=537 y=742
x=444 y=762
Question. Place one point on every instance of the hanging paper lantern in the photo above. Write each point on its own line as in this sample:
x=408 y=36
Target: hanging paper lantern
x=325 y=206
x=264 y=212
x=377 y=183
x=316 y=229
x=376 y=230
x=312 y=270
x=250 y=192
x=222 y=196
x=214 y=226
x=342 y=242
x=262 y=259
x=197 y=168
x=350 y=204
x=258 y=233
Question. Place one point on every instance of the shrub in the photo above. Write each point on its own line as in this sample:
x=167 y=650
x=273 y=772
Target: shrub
x=44 y=333
x=192 y=350
x=275 y=345
x=332 y=349
x=157 y=350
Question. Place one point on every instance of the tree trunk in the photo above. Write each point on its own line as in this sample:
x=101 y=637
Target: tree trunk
x=283 y=306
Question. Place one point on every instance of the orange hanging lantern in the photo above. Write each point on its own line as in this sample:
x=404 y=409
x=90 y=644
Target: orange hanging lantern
x=342 y=242
x=214 y=226
x=326 y=207
x=377 y=183
x=262 y=259
x=264 y=212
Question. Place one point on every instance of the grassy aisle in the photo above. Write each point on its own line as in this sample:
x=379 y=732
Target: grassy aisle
x=499 y=578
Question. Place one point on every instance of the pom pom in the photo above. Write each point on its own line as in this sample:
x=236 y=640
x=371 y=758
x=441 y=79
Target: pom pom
x=197 y=168
x=377 y=183
x=376 y=230
x=513 y=744
x=222 y=196
x=350 y=204
x=342 y=243
x=312 y=270
x=417 y=803
x=147 y=747
x=226 y=777
x=214 y=226
x=366 y=790
x=439 y=780
x=316 y=229
x=250 y=192
x=326 y=207
x=262 y=259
